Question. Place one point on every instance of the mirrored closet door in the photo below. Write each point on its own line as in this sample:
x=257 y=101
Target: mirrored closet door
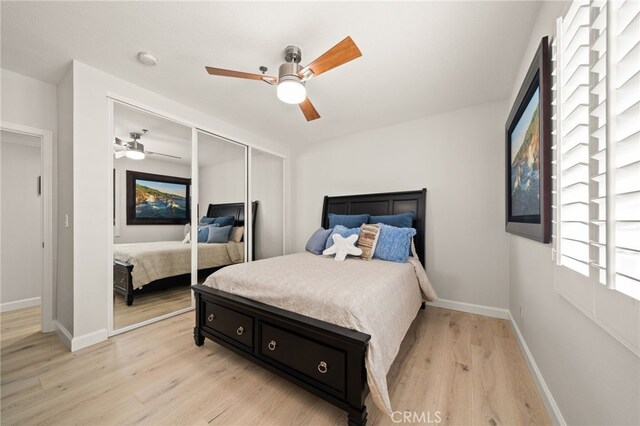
x=222 y=203
x=267 y=188
x=152 y=174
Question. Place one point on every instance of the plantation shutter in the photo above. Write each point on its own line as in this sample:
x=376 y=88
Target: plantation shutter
x=597 y=154
x=571 y=139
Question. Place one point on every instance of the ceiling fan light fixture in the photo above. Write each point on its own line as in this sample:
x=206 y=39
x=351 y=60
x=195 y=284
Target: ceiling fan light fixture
x=135 y=151
x=291 y=90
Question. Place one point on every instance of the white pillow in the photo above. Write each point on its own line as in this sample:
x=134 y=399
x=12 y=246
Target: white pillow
x=343 y=246
x=187 y=238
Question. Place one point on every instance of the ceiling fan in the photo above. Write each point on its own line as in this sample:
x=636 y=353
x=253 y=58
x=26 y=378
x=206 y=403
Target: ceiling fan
x=135 y=149
x=292 y=76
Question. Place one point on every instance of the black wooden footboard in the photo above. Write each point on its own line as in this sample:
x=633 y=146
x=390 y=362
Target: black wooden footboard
x=322 y=358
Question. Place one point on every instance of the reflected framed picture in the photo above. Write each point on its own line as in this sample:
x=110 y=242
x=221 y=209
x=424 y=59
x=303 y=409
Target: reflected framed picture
x=528 y=153
x=157 y=199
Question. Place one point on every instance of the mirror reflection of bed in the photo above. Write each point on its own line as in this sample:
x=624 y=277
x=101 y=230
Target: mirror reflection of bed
x=221 y=194
x=151 y=208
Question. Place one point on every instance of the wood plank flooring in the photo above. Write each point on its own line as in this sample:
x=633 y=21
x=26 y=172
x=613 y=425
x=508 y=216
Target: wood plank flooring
x=148 y=305
x=467 y=368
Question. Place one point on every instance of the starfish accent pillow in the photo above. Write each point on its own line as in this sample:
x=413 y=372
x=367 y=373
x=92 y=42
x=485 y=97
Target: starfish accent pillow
x=343 y=246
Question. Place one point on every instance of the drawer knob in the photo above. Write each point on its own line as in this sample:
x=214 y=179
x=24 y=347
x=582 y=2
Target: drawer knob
x=322 y=367
x=272 y=345
x=211 y=317
x=240 y=330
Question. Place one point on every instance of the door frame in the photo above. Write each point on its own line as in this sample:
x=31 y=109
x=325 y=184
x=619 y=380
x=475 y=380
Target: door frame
x=47 y=168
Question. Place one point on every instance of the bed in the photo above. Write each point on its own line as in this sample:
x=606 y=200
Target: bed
x=155 y=265
x=290 y=314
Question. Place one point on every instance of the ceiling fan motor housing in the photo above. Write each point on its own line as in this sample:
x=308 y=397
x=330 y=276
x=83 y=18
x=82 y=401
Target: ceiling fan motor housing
x=292 y=54
x=289 y=71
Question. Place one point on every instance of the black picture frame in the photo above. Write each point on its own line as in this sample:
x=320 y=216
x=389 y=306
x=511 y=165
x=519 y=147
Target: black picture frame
x=525 y=215
x=135 y=217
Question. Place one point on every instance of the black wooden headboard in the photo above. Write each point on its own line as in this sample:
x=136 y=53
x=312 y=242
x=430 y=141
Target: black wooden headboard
x=233 y=209
x=236 y=210
x=383 y=204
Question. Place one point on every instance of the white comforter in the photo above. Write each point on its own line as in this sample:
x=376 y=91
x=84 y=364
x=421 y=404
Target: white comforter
x=162 y=259
x=376 y=297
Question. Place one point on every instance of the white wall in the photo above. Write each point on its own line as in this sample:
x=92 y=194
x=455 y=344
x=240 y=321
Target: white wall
x=458 y=156
x=593 y=378
x=21 y=223
x=92 y=175
x=64 y=295
x=221 y=183
x=267 y=188
x=144 y=233
x=28 y=101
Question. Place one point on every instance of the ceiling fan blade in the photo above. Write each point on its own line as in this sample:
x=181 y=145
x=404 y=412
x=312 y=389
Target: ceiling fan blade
x=239 y=74
x=309 y=110
x=339 y=54
x=164 y=155
x=120 y=154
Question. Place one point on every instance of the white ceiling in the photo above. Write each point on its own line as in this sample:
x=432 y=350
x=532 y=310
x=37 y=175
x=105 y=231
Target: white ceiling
x=419 y=58
x=168 y=137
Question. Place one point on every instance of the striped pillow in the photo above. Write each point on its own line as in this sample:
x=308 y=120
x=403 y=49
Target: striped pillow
x=367 y=240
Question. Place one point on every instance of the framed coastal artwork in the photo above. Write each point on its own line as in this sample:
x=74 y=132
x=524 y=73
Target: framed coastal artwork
x=157 y=199
x=528 y=153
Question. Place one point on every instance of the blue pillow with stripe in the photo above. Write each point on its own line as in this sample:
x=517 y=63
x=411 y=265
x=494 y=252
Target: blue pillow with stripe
x=394 y=244
x=342 y=230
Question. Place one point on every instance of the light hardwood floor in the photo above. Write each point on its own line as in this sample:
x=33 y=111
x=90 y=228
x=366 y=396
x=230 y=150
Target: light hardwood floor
x=466 y=367
x=148 y=305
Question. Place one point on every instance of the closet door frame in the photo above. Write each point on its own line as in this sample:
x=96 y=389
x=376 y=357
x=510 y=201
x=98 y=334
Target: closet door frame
x=112 y=100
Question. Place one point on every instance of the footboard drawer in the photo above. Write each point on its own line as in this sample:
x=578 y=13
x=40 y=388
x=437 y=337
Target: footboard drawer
x=232 y=324
x=315 y=360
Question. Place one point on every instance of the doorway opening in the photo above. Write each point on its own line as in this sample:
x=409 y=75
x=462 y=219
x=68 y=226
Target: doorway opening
x=26 y=261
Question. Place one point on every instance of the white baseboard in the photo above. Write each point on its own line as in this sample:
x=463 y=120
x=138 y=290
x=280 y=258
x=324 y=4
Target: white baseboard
x=488 y=311
x=80 y=342
x=89 y=339
x=19 y=304
x=63 y=333
x=543 y=389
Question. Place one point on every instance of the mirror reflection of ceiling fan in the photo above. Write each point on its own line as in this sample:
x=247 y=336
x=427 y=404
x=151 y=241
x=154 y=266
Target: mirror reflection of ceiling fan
x=134 y=149
x=292 y=76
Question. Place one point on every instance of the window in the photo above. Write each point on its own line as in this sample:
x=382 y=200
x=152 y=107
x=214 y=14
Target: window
x=596 y=151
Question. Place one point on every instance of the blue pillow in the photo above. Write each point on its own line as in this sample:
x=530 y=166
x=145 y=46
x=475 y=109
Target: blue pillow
x=318 y=240
x=342 y=230
x=218 y=234
x=220 y=221
x=394 y=244
x=225 y=221
x=203 y=233
x=204 y=220
x=403 y=220
x=348 y=220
